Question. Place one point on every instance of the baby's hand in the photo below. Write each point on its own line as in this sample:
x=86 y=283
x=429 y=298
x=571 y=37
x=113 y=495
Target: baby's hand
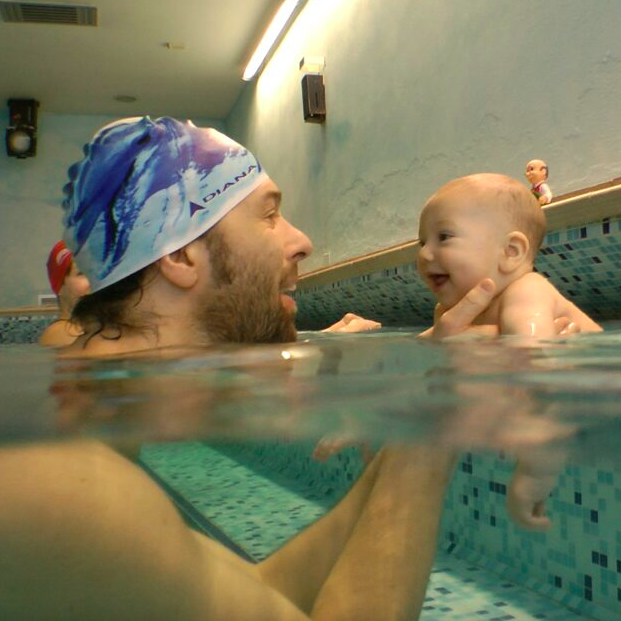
x=526 y=499
x=330 y=445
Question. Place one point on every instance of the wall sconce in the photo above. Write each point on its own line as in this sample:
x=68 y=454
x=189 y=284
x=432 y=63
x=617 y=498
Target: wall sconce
x=313 y=90
x=21 y=134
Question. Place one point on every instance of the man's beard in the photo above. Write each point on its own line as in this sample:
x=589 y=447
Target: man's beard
x=244 y=305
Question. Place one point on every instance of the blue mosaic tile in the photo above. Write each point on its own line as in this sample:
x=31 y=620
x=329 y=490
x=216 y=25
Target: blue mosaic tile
x=461 y=591
x=574 y=563
x=396 y=297
x=262 y=494
x=23 y=328
x=258 y=508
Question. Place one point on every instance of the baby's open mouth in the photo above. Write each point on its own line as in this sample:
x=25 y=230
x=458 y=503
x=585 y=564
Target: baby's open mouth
x=438 y=279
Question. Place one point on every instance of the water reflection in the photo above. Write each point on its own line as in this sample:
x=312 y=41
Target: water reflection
x=468 y=393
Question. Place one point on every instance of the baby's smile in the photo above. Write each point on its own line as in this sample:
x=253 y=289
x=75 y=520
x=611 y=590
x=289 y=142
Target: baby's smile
x=437 y=280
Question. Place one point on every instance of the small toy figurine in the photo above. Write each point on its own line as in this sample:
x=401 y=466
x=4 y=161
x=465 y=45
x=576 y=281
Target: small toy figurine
x=537 y=174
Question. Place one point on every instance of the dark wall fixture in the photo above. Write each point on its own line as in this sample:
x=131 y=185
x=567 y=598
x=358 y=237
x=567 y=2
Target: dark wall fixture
x=21 y=134
x=314 y=98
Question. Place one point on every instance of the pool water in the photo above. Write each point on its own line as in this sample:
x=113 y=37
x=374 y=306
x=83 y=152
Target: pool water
x=230 y=432
x=382 y=386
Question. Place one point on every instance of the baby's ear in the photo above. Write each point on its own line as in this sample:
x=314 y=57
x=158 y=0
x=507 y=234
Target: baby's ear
x=515 y=252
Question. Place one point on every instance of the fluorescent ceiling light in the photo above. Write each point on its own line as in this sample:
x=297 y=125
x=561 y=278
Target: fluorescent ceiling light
x=281 y=20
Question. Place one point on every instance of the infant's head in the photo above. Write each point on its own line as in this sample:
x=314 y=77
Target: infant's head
x=475 y=227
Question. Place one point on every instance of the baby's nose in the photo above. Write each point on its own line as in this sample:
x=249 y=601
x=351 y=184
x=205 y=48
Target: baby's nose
x=424 y=253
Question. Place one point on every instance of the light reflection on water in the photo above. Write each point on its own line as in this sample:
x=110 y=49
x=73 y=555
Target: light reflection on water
x=382 y=386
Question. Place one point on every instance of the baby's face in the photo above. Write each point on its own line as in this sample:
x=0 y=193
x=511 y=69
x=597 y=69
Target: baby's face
x=462 y=239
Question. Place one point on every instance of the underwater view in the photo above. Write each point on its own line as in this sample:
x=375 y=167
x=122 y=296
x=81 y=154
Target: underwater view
x=254 y=443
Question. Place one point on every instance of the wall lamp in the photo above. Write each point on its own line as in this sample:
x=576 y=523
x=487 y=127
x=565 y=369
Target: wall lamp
x=284 y=17
x=313 y=89
x=21 y=134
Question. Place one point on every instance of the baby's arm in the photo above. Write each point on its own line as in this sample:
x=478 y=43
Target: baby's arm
x=528 y=308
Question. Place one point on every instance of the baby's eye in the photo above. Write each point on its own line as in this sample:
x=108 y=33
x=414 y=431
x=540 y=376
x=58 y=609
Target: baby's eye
x=444 y=236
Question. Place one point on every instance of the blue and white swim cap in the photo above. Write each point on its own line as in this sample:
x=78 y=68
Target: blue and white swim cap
x=147 y=188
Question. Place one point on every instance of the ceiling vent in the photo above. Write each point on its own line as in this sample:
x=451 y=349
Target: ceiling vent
x=37 y=13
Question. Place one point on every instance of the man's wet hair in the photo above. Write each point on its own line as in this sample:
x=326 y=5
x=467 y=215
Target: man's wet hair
x=113 y=308
x=109 y=308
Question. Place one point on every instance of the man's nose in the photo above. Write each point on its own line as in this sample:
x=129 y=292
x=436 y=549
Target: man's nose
x=298 y=245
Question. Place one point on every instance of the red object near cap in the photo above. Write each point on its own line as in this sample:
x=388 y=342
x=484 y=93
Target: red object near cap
x=58 y=264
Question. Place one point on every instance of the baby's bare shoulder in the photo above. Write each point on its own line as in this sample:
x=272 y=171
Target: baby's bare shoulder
x=530 y=286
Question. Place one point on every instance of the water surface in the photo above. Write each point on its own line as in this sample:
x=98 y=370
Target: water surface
x=377 y=387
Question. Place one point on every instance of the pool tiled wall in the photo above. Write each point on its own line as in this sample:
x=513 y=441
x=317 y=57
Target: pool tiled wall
x=577 y=562
x=261 y=494
x=23 y=328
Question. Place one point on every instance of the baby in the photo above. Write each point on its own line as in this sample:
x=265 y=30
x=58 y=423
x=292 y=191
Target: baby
x=491 y=226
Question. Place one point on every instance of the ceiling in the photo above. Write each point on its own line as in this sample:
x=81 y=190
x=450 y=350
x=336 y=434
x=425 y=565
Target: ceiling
x=80 y=69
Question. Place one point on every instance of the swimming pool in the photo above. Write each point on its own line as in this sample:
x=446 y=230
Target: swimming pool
x=246 y=420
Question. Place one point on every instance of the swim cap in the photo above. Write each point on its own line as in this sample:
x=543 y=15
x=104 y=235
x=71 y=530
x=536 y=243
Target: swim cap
x=58 y=264
x=147 y=188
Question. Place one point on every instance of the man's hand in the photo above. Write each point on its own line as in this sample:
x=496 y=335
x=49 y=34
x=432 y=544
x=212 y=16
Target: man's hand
x=458 y=319
x=353 y=323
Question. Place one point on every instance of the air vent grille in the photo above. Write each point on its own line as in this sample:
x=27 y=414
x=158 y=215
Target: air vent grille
x=37 y=13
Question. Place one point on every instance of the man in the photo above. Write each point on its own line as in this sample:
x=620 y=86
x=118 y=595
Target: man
x=180 y=233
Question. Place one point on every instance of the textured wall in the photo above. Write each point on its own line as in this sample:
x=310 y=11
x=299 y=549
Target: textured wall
x=420 y=92
x=30 y=198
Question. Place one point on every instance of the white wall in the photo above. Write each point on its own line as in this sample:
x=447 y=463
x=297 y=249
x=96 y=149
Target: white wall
x=418 y=92
x=30 y=202
x=421 y=91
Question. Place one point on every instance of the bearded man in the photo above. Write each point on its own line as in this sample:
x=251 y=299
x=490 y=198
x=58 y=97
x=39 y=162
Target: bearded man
x=180 y=234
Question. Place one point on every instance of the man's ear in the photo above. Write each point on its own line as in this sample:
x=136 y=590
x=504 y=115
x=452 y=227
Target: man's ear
x=515 y=252
x=181 y=268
